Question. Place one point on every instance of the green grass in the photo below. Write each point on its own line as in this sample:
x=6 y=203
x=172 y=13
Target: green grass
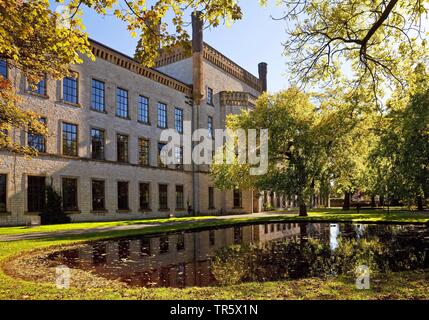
x=317 y=215
x=406 y=285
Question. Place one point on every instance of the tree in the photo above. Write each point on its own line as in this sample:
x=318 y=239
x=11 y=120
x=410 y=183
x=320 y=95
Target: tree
x=40 y=42
x=380 y=41
x=297 y=148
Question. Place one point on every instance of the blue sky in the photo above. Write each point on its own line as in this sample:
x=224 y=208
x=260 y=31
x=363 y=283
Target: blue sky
x=254 y=39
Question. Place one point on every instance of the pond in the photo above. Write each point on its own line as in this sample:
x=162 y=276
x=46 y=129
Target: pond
x=260 y=252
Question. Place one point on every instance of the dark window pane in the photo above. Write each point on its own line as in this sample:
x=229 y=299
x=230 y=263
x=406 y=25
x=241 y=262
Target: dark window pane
x=36 y=196
x=97 y=144
x=163 y=196
x=121 y=103
x=122 y=148
x=237 y=199
x=179 y=197
x=210 y=126
x=143 y=152
x=209 y=96
x=211 y=198
x=122 y=195
x=144 y=196
x=39 y=88
x=69 y=139
x=37 y=141
x=98 y=198
x=70 y=90
x=178 y=120
x=161 y=154
x=178 y=155
x=143 y=109
x=97 y=95
x=3 y=192
x=70 y=194
x=162 y=115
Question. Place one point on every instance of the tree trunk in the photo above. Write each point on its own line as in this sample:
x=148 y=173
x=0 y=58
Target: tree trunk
x=346 y=204
x=373 y=205
x=420 y=203
x=302 y=206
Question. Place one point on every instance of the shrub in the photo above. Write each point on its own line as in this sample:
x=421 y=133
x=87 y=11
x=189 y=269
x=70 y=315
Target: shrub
x=53 y=212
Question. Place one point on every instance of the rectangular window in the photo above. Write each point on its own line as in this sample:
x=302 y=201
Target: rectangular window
x=98 y=197
x=211 y=198
x=162 y=115
x=180 y=203
x=144 y=196
x=70 y=89
x=69 y=139
x=143 y=152
x=97 y=144
x=37 y=141
x=69 y=187
x=178 y=120
x=3 y=193
x=143 y=109
x=180 y=246
x=237 y=198
x=210 y=126
x=209 y=96
x=97 y=95
x=123 y=195
x=161 y=154
x=121 y=103
x=163 y=196
x=178 y=155
x=3 y=68
x=122 y=148
x=39 y=88
x=36 y=194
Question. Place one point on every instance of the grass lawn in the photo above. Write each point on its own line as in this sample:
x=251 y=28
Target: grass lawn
x=407 y=285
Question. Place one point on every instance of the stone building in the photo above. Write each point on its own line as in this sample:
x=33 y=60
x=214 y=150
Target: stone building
x=102 y=151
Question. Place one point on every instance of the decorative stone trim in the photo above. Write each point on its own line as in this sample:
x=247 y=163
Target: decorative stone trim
x=237 y=98
x=119 y=59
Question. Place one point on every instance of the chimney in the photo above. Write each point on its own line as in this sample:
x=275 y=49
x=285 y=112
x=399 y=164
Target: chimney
x=262 y=70
x=197 y=56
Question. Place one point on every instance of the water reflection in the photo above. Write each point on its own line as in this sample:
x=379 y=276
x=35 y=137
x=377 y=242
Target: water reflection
x=252 y=253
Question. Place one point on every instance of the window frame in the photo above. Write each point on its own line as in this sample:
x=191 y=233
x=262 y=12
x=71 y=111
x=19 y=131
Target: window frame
x=145 y=163
x=76 y=195
x=76 y=79
x=210 y=96
x=161 y=119
x=104 y=195
x=103 y=145
x=92 y=107
x=5 y=192
x=161 y=206
x=178 y=119
x=127 y=184
x=148 y=207
x=117 y=96
x=63 y=123
x=38 y=136
x=139 y=108
x=127 y=157
x=178 y=200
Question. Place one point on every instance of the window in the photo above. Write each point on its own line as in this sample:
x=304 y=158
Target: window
x=36 y=196
x=143 y=109
x=178 y=120
x=180 y=246
x=3 y=192
x=121 y=103
x=143 y=152
x=39 y=88
x=178 y=155
x=97 y=95
x=70 y=89
x=69 y=139
x=209 y=96
x=98 y=198
x=97 y=144
x=163 y=196
x=179 y=197
x=123 y=195
x=237 y=198
x=162 y=115
x=70 y=194
x=3 y=68
x=210 y=126
x=37 y=141
x=144 y=196
x=161 y=154
x=122 y=148
x=211 y=198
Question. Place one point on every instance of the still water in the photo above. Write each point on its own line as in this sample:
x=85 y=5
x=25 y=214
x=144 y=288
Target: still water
x=263 y=252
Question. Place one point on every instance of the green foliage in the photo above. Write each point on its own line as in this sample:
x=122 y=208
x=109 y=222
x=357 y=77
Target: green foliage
x=53 y=213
